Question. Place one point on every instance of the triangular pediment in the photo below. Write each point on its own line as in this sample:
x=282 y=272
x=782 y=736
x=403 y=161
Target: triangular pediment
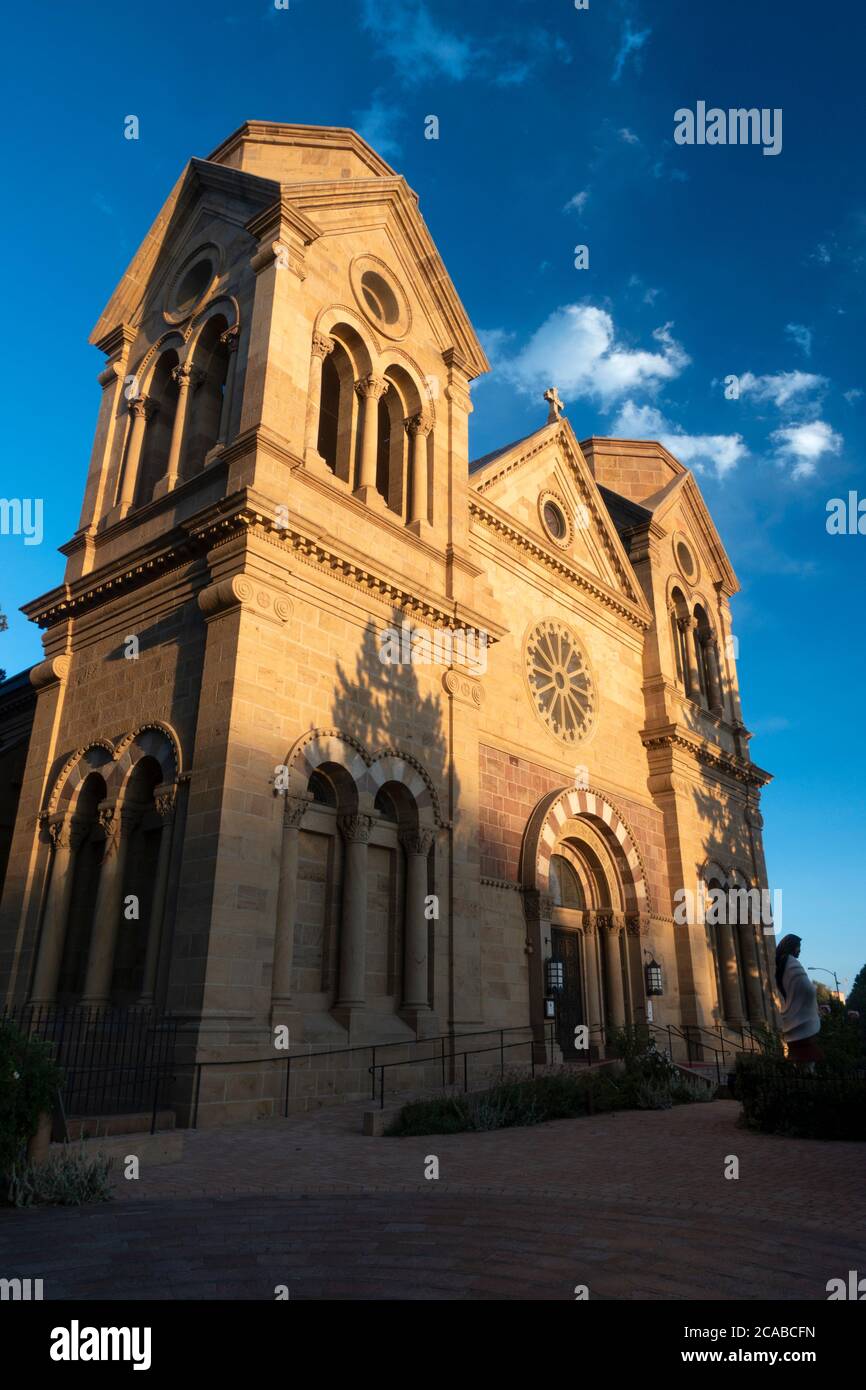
x=202 y=191
x=548 y=466
x=680 y=507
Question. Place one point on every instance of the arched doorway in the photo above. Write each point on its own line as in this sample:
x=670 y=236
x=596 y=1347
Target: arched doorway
x=586 y=904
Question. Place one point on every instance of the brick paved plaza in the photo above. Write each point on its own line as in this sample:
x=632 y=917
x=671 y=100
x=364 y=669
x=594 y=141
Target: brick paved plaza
x=634 y=1205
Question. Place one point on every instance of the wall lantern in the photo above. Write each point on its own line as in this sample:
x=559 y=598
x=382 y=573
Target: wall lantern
x=555 y=975
x=653 y=973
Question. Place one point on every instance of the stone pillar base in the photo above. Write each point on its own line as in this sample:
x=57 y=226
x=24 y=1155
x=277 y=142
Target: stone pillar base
x=371 y=497
x=117 y=513
x=350 y=1017
x=314 y=463
x=285 y=1015
x=163 y=487
x=422 y=529
x=422 y=1018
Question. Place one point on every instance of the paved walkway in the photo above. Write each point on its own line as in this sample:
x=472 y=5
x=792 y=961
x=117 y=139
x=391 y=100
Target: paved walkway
x=633 y=1205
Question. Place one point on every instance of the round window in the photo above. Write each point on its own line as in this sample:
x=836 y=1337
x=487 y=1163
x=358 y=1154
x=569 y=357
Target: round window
x=559 y=680
x=555 y=521
x=379 y=297
x=191 y=283
x=686 y=560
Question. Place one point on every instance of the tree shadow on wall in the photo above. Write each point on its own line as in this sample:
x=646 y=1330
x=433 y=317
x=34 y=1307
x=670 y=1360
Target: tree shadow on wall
x=382 y=705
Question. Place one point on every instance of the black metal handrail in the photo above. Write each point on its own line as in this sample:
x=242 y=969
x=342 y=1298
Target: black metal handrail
x=441 y=1058
x=466 y=1053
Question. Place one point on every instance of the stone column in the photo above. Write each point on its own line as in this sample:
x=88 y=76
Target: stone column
x=730 y=973
x=711 y=647
x=417 y=845
x=186 y=376
x=140 y=409
x=323 y=346
x=751 y=966
x=371 y=390
x=352 y=992
x=294 y=810
x=164 y=800
x=609 y=927
x=688 y=626
x=65 y=840
x=418 y=427
x=229 y=340
x=593 y=983
x=117 y=824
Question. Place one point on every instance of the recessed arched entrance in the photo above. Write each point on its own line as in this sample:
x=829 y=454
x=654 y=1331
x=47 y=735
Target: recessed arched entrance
x=586 y=906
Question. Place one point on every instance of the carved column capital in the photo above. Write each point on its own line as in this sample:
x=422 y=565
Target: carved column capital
x=186 y=375
x=418 y=841
x=323 y=346
x=421 y=424
x=356 y=828
x=372 y=388
x=142 y=407
x=294 y=810
x=165 y=799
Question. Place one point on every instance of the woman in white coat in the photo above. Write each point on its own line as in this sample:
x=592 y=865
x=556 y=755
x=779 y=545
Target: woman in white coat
x=801 y=1022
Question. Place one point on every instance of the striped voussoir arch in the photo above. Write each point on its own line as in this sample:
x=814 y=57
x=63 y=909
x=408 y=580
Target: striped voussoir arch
x=574 y=802
x=369 y=772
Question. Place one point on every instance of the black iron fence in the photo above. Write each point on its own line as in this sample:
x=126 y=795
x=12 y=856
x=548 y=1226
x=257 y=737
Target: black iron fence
x=115 y=1061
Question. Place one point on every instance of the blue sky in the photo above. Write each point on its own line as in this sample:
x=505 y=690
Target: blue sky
x=556 y=129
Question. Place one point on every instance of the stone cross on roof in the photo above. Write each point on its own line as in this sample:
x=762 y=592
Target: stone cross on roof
x=551 y=395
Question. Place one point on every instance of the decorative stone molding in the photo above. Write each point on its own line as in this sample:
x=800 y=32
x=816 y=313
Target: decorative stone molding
x=323 y=346
x=165 y=799
x=463 y=688
x=356 y=828
x=740 y=768
x=231 y=337
x=418 y=424
x=294 y=810
x=558 y=562
x=372 y=388
x=51 y=672
x=227 y=595
x=417 y=841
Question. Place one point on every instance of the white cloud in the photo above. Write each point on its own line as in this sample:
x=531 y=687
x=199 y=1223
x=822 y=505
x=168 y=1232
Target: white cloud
x=802 y=336
x=804 y=445
x=853 y=395
x=376 y=123
x=578 y=202
x=494 y=342
x=632 y=41
x=719 y=452
x=577 y=349
x=628 y=136
x=782 y=387
x=407 y=34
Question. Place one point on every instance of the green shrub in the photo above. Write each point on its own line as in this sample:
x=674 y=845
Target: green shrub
x=779 y=1097
x=70 y=1178
x=29 y=1081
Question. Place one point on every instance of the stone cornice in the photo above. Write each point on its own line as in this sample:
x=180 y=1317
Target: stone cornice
x=225 y=521
x=673 y=737
x=557 y=562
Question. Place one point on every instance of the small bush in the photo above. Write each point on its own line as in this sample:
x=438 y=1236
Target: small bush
x=68 y=1179
x=782 y=1098
x=29 y=1081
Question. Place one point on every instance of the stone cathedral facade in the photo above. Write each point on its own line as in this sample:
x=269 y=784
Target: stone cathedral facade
x=368 y=733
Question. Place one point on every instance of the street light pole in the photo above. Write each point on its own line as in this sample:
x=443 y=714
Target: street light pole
x=825 y=971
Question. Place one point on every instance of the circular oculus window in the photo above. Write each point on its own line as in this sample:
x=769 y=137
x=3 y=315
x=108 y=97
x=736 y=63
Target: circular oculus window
x=560 y=681
x=553 y=518
x=686 y=562
x=380 y=297
x=191 y=284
